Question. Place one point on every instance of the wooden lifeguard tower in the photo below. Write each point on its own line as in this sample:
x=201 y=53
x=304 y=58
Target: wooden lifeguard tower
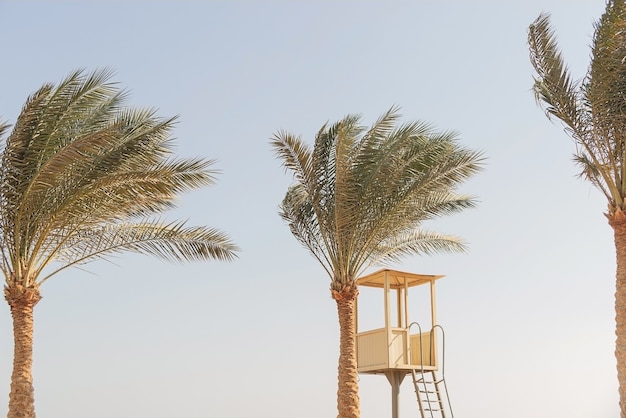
x=402 y=347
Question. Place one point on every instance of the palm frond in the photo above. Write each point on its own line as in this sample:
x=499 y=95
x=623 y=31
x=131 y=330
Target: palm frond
x=591 y=172
x=418 y=242
x=379 y=131
x=15 y=174
x=170 y=241
x=553 y=84
x=294 y=154
x=296 y=210
x=417 y=183
x=118 y=195
x=4 y=127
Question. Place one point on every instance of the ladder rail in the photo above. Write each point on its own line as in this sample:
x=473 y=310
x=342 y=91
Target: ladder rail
x=422 y=379
x=443 y=366
x=435 y=382
x=427 y=405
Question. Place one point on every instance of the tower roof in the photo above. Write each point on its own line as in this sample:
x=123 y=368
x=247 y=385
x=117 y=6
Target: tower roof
x=397 y=279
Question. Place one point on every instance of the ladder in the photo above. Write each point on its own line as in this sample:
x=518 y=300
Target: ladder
x=432 y=395
x=431 y=391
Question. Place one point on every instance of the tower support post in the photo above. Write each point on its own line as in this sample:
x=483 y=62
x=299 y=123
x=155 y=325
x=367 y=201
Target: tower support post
x=395 y=378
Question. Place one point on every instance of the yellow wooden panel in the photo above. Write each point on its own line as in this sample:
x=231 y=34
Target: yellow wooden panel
x=427 y=353
x=398 y=348
x=371 y=348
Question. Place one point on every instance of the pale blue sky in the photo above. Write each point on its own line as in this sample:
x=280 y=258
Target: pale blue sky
x=528 y=311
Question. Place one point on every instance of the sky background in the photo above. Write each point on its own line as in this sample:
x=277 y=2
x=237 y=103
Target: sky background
x=528 y=311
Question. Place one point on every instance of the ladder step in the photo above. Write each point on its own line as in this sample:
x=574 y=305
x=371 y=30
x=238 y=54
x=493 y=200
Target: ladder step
x=429 y=382
x=429 y=391
x=430 y=395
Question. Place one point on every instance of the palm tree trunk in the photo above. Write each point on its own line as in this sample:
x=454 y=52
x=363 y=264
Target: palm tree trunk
x=348 y=388
x=618 y=223
x=22 y=300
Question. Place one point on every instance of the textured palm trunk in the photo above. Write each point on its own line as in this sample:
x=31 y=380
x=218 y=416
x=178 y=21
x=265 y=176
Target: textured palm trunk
x=348 y=379
x=618 y=223
x=22 y=396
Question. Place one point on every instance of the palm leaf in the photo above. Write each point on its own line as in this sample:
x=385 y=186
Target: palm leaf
x=415 y=242
x=553 y=84
x=170 y=241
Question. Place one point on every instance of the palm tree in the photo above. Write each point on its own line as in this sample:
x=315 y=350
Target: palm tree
x=360 y=198
x=593 y=112
x=82 y=178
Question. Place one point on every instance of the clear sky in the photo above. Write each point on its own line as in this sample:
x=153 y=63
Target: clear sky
x=528 y=311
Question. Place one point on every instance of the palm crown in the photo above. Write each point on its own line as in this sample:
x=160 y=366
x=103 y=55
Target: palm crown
x=361 y=195
x=82 y=177
x=593 y=110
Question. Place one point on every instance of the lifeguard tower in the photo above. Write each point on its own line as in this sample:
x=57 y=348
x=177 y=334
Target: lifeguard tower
x=402 y=347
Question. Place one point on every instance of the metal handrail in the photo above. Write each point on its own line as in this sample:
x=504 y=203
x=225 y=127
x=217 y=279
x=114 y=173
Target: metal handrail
x=443 y=365
x=442 y=361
